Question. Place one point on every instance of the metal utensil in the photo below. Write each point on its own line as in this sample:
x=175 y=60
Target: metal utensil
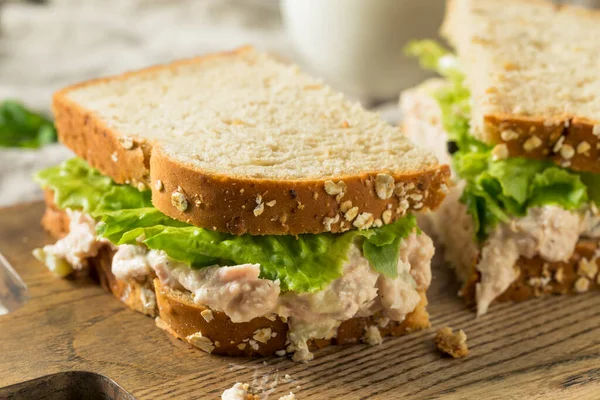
x=13 y=291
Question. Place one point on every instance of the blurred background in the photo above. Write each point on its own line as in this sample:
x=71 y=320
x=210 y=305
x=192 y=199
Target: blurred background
x=354 y=45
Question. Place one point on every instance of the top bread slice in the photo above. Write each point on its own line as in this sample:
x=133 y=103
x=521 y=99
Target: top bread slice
x=533 y=69
x=241 y=143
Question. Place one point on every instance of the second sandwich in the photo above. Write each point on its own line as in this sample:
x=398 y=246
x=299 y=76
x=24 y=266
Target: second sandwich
x=518 y=116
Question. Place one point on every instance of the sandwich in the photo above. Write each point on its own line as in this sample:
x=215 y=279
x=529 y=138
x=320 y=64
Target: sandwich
x=246 y=206
x=516 y=113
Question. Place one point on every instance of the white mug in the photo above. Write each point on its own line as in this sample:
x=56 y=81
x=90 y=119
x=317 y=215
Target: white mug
x=357 y=45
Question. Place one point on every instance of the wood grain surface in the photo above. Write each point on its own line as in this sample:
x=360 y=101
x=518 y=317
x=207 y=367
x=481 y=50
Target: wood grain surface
x=541 y=349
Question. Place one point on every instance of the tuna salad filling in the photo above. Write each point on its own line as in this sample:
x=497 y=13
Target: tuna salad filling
x=314 y=282
x=504 y=207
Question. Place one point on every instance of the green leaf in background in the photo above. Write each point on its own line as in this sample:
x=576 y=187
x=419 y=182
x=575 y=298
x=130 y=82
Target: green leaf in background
x=435 y=57
x=302 y=263
x=20 y=127
x=510 y=187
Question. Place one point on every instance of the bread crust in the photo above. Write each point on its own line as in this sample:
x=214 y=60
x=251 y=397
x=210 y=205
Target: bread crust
x=554 y=134
x=54 y=220
x=227 y=203
x=181 y=317
x=538 y=277
x=93 y=141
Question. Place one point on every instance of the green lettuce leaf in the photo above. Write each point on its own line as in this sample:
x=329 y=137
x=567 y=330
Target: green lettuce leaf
x=78 y=186
x=120 y=226
x=385 y=257
x=560 y=187
x=496 y=190
x=303 y=263
x=435 y=57
x=592 y=181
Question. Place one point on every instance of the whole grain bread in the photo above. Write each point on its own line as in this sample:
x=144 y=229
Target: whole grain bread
x=242 y=143
x=213 y=331
x=533 y=71
x=538 y=277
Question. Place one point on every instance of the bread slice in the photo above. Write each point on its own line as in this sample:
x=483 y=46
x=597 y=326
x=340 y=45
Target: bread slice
x=532 y=68
x=538 y=277
x=241 y=143
x=179 y=315
x=451 y=225
x=182 y=317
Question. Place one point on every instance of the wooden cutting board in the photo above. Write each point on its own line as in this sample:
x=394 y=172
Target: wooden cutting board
x=544 y=348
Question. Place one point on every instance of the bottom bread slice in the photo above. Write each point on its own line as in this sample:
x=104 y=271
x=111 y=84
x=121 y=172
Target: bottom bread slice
x=183 y=318
x=213 y=331
x=538 y=277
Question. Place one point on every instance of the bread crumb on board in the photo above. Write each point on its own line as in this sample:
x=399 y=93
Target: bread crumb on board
x=451 y=343
x=240 y=391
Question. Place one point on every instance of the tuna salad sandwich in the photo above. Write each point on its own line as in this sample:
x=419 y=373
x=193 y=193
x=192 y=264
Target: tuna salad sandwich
x=247 y=206
x=517 y=113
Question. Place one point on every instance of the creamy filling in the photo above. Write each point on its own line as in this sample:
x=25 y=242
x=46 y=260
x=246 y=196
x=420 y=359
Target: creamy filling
x=130 y=262
x=239 y=292
x=549 y=232
x=72 y=251
x=454 y=229
x=591 y=223
x=242 y=295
